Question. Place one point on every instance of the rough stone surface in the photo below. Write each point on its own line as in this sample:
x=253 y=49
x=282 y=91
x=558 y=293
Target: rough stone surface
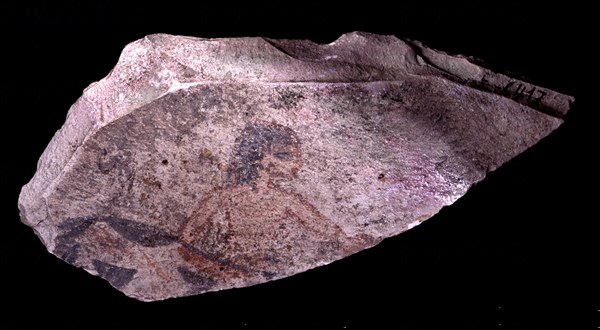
x=205 y=164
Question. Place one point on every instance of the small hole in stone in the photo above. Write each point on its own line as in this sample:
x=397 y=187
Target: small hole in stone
x=221 y=268
x=381 y=176
x=165 y=162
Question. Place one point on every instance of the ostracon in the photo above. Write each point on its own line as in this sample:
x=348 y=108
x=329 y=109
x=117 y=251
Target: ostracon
x=205 y=164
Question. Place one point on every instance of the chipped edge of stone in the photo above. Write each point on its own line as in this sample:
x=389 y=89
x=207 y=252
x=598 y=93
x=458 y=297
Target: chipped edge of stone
x=462 y=70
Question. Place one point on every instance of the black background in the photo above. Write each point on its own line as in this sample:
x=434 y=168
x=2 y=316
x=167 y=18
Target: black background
x=517 y=252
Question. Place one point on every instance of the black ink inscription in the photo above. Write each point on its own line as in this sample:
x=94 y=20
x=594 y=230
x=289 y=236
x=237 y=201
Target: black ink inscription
x=522 y=91
x=484 y=81
x=117 y=276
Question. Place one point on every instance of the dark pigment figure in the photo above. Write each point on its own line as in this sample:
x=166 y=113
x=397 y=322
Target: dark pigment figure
x=252 y=226
x=249 y=229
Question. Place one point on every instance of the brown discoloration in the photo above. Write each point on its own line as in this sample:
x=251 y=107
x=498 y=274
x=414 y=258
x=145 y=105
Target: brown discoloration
x=102 y=237
x=157 y=269
x=208 y=155
x=151 y=181
x=208 y=267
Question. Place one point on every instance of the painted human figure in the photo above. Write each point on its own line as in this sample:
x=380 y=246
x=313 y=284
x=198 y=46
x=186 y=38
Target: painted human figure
x=247 y=231
x=251 y=226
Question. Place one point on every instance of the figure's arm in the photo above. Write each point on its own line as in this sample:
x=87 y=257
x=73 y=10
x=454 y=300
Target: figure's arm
x=206 y=210
x=311 y=218
x=316 y=222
